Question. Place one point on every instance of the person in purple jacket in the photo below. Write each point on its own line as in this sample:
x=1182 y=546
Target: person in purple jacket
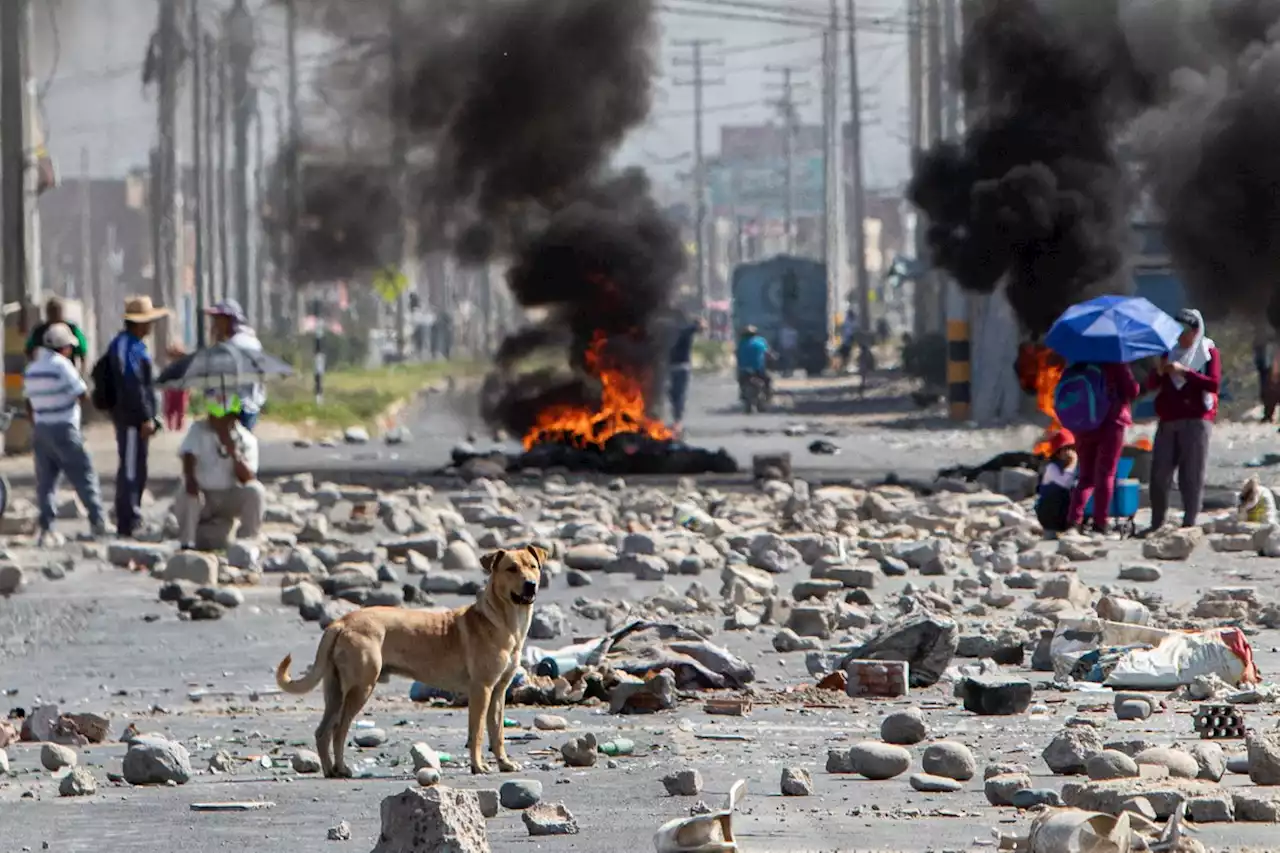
x=1188 y=380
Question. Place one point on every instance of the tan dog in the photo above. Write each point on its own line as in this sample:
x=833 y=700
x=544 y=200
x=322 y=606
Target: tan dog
x=471 y=651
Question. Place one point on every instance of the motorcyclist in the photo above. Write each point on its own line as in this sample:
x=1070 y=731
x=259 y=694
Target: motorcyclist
x=753 y=358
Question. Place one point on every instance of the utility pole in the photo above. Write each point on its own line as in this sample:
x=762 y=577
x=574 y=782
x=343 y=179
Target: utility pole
x=239 y=40
x=13 y=157
x=915 y=141
x=935 y=72
x=698 y=63
x=263 y=307
x=294 y=204
x=786 y=105
x=84 y=287
x=195 y=38
x=857 y=186
x=226 y=288
x=402 y=238
x=830 y=175
x=169 y=280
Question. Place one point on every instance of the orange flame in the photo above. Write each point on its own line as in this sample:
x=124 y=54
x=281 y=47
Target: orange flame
x=1039 y=369
x=621 y=410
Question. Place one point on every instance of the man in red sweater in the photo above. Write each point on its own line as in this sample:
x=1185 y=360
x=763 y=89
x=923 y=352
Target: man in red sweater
x=1099 y=450
x=1188 y=381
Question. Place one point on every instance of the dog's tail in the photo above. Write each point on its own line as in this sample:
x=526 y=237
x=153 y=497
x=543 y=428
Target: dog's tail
x=309 y=681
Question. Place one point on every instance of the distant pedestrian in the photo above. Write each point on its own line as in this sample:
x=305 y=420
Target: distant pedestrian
x=788 y=347
x=229 y=325
x=175 y=401
x=124 y=385
x=1101 y=398
x=1266 y=360
x=54 y=391
x=55 y=312
x=848 y=339
x=680 y=371
x=220 y=479
x=1188 y=381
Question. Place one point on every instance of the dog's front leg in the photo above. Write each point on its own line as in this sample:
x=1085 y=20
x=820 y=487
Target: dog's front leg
x=496 y=719
x=478 y=700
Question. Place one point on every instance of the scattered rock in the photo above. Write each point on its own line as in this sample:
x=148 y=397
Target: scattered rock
x=1133 y=709
x=1002 y=788
x=1140 y=573
x=78 y=783
x=305 y=761
x=341 y=832
x=796 y=782
x=905 y=727
x=581 y=751
x=1181 y=765
x=520 y=793
x=879 y=760
x=550 y=723
x=931 y=784
x=1030 y=798
x=1211 y=759
x=1264 y=757
x=1109 y=764
x=11 y=578
x=1172 y=544
x=54 y=757
x=996 y=695
x=949 y=759
x=547 y=819
x=428 y=776
x=435 y=818
x=548 y=623
x=683 y=783
x=1214 y=808
x=1068 y=753
x=459 y=556
x=152 y=760
x=370 y=738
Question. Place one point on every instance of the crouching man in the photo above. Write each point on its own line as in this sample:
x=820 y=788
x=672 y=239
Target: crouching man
x=220 y=471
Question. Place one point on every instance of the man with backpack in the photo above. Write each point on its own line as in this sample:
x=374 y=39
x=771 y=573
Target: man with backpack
x=1093 y=401
x=123 y=385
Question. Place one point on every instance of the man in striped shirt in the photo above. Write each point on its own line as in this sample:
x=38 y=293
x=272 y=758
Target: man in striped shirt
x=54 y=391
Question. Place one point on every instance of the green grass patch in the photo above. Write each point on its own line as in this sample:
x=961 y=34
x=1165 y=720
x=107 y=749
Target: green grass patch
x=356 y=397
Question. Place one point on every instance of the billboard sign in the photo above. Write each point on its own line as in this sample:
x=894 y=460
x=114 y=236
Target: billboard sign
x=759 y=189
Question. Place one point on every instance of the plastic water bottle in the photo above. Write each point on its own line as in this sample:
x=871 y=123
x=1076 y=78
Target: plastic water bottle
x=692 y=518
x=617 y=746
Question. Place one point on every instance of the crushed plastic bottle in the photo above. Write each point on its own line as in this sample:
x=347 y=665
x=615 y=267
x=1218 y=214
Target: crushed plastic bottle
x=692 y=518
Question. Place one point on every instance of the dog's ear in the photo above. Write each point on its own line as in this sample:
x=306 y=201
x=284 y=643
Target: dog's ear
x=538 y=554
x=489 y=562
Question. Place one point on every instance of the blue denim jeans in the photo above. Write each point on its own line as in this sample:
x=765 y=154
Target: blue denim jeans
x=59 y=449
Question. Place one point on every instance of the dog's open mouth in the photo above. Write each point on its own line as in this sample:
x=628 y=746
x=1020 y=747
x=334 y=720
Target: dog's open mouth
x=520 y=598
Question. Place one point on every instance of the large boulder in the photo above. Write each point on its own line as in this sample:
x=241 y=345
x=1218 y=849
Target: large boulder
x=155 y=761
x=435 y=818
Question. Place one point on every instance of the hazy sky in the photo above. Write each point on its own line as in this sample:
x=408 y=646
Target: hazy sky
x=90 y=80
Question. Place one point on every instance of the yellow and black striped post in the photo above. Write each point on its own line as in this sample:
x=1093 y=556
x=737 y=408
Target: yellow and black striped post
x=959 y=373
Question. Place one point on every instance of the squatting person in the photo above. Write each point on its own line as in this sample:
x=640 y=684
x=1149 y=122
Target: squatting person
x=220 y=479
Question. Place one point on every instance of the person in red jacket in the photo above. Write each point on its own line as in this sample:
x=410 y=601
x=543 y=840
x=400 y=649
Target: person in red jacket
x=1099 y=450
x=1188 y=381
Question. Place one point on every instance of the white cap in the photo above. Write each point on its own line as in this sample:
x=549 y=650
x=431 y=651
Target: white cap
x=59 y=336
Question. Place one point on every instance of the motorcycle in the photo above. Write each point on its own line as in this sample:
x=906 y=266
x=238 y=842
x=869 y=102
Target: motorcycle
x=755 y=391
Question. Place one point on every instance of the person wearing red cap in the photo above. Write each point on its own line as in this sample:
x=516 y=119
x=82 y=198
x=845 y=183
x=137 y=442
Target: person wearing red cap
x=1057 y=482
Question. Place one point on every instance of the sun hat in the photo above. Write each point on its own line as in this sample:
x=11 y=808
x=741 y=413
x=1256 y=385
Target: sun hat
x=59 y=336
x=140 y=309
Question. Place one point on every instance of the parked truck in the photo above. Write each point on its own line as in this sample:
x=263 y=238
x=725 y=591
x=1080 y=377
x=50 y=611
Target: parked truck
x=786 y=290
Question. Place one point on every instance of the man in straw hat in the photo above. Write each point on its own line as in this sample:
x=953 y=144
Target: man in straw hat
x=125 y=387
x=54 y=390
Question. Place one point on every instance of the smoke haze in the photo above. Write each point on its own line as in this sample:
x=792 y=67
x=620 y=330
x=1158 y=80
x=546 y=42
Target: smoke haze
x=1083 y=110
x=511 y=111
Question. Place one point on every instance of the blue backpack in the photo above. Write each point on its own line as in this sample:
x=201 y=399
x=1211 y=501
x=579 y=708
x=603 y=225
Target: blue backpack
x=1082 y=399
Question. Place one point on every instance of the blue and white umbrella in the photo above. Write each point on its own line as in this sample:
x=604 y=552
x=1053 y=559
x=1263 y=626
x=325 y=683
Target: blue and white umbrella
x=1113 y=330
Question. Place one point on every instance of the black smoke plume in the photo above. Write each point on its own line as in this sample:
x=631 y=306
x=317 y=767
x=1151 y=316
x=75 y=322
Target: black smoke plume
x=1091 y=114
x=1034 y=195
x=511 y=111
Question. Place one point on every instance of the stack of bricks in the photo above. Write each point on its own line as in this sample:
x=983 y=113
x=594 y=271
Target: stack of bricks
x=877 y=678
x=1215 y=722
